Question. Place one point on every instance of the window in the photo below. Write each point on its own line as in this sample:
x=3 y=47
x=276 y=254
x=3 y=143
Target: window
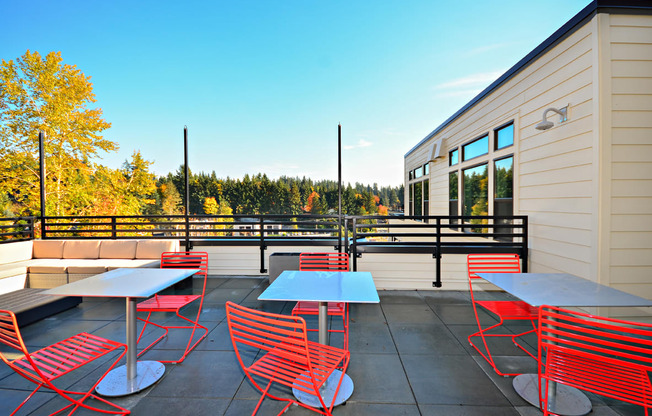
x=504 y=136
x=453 y=157
x=426 y=169
x=476 y=148
x=418 y=172
x=453 y=183
x=410 y=175
x=426 y=198
x=475 y=194
x=418 y=199
x=504 y=192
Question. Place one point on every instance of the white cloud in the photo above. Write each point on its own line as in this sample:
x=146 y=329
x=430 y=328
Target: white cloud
x=361 y=143
x=482 y=80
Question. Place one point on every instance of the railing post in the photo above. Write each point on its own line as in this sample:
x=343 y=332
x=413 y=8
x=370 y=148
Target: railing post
x=262 y=245
x=354 y=245
x=437 y=253
x=113 y=228
x=524 y=250
x=346 y=235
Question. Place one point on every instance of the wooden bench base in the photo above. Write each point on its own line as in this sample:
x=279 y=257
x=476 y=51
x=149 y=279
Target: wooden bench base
x=30 y=305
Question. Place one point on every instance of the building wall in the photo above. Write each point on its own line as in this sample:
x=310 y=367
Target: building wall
x=554 y=180
x=627 y=88
x=586 y=184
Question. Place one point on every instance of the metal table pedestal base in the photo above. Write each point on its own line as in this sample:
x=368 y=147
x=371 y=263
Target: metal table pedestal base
x=569 y=401
x=115 y=383
x=328 y=391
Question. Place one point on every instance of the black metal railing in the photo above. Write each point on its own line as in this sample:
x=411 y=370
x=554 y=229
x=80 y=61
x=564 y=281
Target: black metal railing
x=437 y=235
x=16 y=229
x=357 y=235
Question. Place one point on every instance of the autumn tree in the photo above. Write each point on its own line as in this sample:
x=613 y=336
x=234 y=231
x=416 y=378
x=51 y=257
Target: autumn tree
x=43 y=93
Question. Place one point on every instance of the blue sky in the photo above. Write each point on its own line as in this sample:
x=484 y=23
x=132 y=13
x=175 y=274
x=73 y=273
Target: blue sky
x=262 y=85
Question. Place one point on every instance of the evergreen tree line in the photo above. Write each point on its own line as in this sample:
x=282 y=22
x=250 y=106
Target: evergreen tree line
x=257 y=194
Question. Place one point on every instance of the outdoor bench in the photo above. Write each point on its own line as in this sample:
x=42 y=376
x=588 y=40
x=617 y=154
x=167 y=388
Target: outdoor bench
x=28 y=267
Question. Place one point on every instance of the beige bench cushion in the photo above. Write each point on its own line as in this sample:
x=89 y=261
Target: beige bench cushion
x=48 y=249
x=52 y=268
x=118 y=249
x=152 y=249
x=14 y=252
x=81 y=249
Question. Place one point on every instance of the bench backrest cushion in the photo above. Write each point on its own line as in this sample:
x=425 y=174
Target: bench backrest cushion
x=118 y=249
x=81 y=249
x=48 y=249
x=152 y=249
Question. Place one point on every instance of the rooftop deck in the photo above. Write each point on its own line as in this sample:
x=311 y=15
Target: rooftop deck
x=409 y=356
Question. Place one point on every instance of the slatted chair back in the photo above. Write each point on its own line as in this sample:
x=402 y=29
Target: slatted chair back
x=606 y=356
x=185 y=260
x=323 y=262
x=283 y=335
x=10 y=336
x=492 y=263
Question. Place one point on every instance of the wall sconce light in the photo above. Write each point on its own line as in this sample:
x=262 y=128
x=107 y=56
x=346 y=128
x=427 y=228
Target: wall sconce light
x=545 y=124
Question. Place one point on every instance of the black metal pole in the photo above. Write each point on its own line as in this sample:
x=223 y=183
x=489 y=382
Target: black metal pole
x=41 y=157
x=187 y=187
x=339 y=187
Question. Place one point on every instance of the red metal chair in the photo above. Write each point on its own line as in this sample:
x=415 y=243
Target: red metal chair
x=174 y=303
x=288 y=357
x=325 y=262
x=505 y=310
x=45 y=366
x=606 y=356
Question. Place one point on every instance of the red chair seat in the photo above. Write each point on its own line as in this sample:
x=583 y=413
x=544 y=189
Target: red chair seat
x=166 y=303
x=509 y=309
x=312 y=308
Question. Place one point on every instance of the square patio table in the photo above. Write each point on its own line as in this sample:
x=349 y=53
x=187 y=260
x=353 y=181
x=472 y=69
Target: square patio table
x=564 y=290
x=324 y=287
x=132 y=284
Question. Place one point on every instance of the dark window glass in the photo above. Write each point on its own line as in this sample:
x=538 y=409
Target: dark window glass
x=410 y=175
x=453 y=180
x=505 y=136
x=411 y=201
x=504 y=178
x=426 y=168
x=453 y=157
x=476 y=148
x=504 y=195
x=426 y=197
x=418 y=198
x=475 y=181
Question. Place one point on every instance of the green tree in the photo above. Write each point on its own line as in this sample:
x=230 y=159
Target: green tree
x=45 y=94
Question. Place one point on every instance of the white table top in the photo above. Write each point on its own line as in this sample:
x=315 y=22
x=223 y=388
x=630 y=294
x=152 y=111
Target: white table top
x=560 y=289
x=351 y=287
x=124 y=283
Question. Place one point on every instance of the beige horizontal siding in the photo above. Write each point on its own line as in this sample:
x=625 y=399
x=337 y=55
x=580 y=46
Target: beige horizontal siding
x=630 y=237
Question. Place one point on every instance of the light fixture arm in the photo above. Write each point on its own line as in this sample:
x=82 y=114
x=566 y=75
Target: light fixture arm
x=563 y=112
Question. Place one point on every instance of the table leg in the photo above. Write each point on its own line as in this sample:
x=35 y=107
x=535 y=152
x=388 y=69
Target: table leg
x=135 y=375
x=323 y=323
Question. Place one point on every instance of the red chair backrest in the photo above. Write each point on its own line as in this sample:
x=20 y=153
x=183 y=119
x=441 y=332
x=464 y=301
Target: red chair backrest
x=606 y=356
x=185 y=260
x=283 y=334
x=323 y=262
x=492 y=263
x=10 y=336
